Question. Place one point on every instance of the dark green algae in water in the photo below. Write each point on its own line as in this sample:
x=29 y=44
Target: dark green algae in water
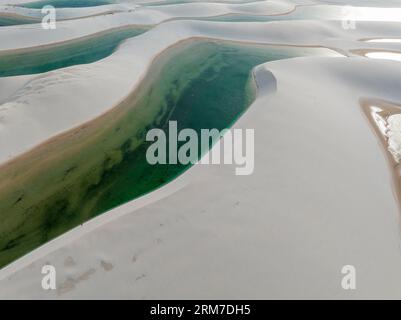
x=87 y=171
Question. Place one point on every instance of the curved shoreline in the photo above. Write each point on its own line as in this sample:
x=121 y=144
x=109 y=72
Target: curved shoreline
x=71 y=53
x=17 y=16
x=61 y=142
x=365 y=52
x=145 y=25
x=54 y=138
x=32 y=20
x=98 y=221
x=326 y=189
x=387 y=109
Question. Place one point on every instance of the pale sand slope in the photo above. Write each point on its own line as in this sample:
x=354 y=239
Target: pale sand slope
x=363 y=3
x=367 y=11
x=26 y=116
x=162 y=12
x=33 y=35
x=124 y=2
x=93 y=21
x=320 y=198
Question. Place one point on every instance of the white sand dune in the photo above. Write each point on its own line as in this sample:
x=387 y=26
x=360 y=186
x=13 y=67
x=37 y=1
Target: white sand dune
x=32 y=35
x=193 y=9
x=321 y=196
x=363 y=3
x=241 y=237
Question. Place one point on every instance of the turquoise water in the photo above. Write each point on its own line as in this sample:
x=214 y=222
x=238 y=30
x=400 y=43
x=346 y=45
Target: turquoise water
x=66 y=3
x=12 y=21
x=60 y=56
x=170 y=2
x=201 y=85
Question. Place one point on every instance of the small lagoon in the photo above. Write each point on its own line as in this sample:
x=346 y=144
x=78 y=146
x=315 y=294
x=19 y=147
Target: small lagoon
x=75 y=52
x=6 y=20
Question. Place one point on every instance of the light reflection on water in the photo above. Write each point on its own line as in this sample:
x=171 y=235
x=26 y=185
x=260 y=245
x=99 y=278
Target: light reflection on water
x=384 y=55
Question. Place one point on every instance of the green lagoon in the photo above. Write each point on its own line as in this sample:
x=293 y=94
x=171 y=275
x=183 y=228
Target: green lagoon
x=66 y=3
x=15 y=20
x=300 y=13
x=102 y=164
x=47 y=58
x=171 y=2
